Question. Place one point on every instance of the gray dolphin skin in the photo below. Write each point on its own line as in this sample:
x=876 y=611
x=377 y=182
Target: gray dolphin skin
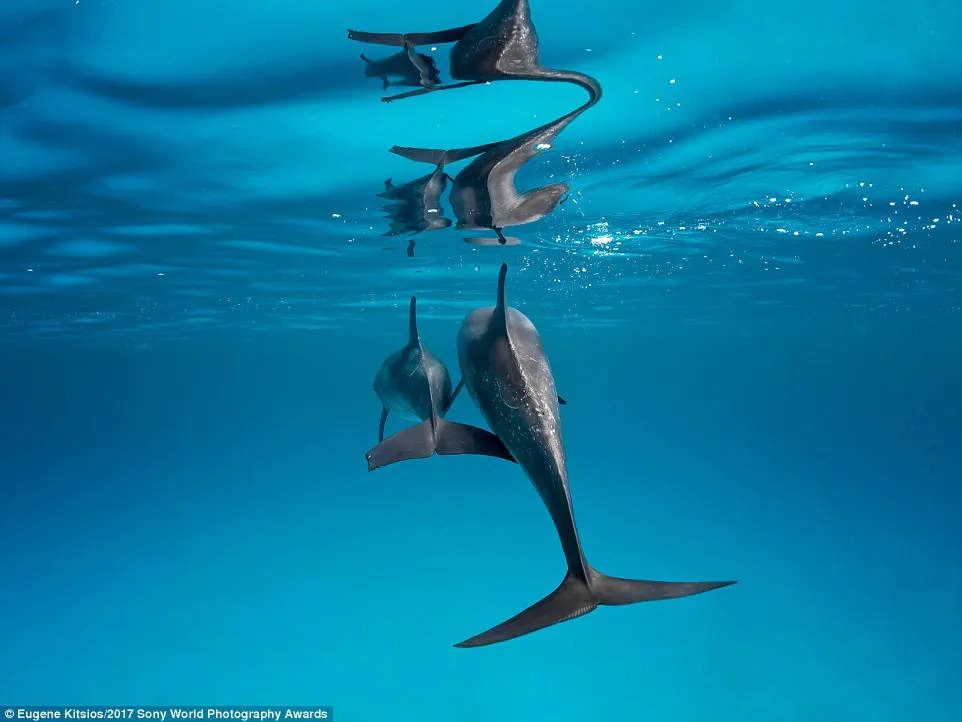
x=502 y=46
x=412 y=381
x=507 y=374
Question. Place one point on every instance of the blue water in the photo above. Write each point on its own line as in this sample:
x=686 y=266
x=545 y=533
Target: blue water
x=751 y=301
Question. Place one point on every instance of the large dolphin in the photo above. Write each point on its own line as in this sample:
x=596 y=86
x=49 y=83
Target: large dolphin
x=414 y=382
x=507 y=373
x=502 y=46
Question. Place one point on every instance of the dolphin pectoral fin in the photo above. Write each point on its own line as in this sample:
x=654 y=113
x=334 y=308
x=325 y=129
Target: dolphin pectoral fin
x=454 y=395
x=380 y=428
x=454 y=438
x=562 y=401
x=414 y=442
x=503 y=241
x=431 y=89
x=571 y=599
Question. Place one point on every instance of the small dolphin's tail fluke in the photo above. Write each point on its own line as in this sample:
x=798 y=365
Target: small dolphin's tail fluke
x=575 y=598
x=438 y=157
x=442 y=437
x=400 y=40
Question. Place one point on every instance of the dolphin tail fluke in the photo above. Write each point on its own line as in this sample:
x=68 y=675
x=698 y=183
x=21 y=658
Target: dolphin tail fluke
x=571 y=599
x=574 y=598
x=613 y=591
x=438 y=157
x=400 y=40
x=414 y=442
x=395 y=40
x=442 y=437
x=454 y=438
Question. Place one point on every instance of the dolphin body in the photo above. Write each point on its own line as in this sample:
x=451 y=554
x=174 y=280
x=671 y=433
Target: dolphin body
x=409 y=67
x=502 y=46
x=414 y=382
x=416 y=205
x=507 y=374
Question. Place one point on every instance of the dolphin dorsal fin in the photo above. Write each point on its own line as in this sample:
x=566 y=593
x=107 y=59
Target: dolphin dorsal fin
x=413 y=339
x=499 y=321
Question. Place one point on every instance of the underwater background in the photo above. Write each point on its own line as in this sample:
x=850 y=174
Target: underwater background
x=751 y=301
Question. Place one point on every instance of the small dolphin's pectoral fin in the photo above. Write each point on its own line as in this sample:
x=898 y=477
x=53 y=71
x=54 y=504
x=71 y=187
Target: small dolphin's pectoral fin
x=365 y=59
x=454 y=438
x=400 y=40
x=380 y=428
x=454 y=395
x=503 y=241
x=410 y=249
x=498 y=318
x=562 y=401
x=385 y=83
x=571 y=599
x=413 y=338
x=431 y=89
x=444 y=437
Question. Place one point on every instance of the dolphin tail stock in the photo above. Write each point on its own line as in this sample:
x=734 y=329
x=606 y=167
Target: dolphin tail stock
x=436 y=436
x=575 y=597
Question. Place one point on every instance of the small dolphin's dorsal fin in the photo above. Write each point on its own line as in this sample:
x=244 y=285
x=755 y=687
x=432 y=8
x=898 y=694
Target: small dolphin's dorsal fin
x=413 y=339
x=499 y=321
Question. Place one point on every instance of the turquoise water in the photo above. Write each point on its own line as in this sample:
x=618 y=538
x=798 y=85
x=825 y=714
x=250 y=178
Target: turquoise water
x=751 y=299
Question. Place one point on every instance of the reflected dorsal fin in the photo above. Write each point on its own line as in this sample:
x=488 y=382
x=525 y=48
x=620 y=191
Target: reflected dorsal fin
x=498 y=320
x=413 y=339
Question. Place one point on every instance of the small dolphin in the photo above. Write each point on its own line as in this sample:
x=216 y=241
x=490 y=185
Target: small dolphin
x=503 y=46
x=409 y=67
x=484 y=195
x=414 y=382
x=416 y=205
x=507 y=374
